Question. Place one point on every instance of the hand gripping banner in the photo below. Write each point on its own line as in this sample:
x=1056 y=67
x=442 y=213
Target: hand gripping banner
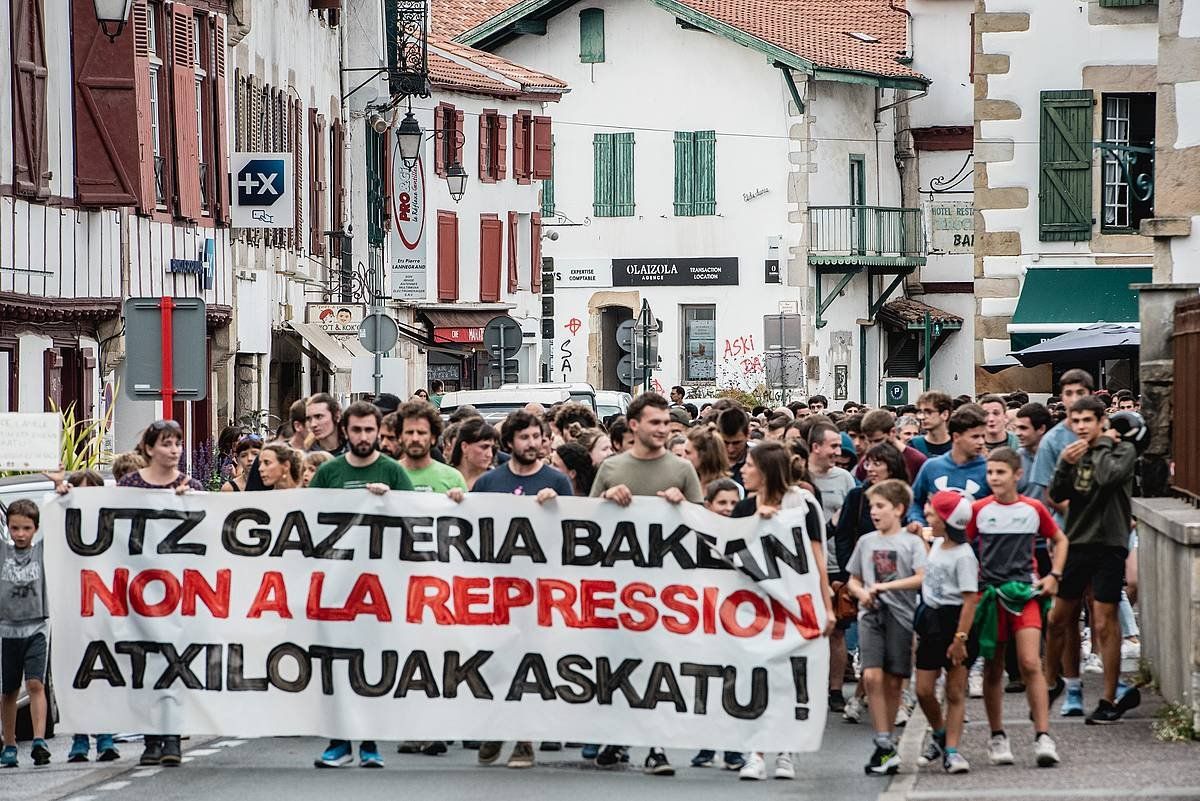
x=410 y=617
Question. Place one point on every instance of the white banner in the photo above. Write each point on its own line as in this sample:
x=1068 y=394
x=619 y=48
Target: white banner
x=409 y=617
x=408 y=230
x=30 y=440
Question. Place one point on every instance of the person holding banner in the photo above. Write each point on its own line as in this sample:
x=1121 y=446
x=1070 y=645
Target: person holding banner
x=362 y=466
x=279 y=466
x=647 y=468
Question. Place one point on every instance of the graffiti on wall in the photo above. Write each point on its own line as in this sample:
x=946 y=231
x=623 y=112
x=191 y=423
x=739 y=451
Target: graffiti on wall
x=566 y=352
x=741 y=363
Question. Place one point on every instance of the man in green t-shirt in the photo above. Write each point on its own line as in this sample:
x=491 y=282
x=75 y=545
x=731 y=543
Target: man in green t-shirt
x=420 y=426
x=362 y=466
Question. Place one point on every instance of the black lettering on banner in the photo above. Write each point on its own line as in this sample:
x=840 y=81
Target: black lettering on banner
x=625 y=533
x=416 y=675
x=774 y=550
x=235 y=670
x=358 y=675
x=739 y=554
x=416 y=530
x=303 y=667
x=173 y=544
x=454 y=532
x=540 y=684
x=139 y=517
x=454 y=674
x=136 y=651
x=521 y=541
x=179 y=666
x=800 y=679
x=487 y=539
x=572 y=539
x=260 y=538
x=89 y=671
x=702 y=673
x=662 y=674
x=758 y=694
x=212 y=681
x=609 y=681
x=75 y=541
x=328 y=655
x=567 y=671
x=294 y=523
x=705 y=558
x=342 y=524
x=673 y=545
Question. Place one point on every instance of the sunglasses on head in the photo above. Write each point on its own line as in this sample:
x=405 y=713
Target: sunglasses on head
x=251 y=438
x=162 y=425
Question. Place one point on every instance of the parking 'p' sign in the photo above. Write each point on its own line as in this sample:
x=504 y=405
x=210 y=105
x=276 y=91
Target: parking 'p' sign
x=263 y=190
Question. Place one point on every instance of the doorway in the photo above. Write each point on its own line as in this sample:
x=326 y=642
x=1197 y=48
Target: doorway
x=611 y=354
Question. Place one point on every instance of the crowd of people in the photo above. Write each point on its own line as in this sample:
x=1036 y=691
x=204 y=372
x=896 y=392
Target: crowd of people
x=956 y=539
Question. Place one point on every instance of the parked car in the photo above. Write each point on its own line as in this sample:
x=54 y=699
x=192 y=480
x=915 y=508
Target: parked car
x=579 y=392
x=609 y=403
x=496 y=404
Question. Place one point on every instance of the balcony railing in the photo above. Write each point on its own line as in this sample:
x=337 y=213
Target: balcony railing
x=844 y=232
x=160 y=186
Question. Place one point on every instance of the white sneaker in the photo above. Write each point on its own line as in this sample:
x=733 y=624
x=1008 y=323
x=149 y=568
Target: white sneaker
x=784 y=769
x=999 y=751
x=1093 y=664
x=755 y=769
x=854 y=710
x=975 y=684
x=1131 y=649
x=1045 y=751
x=903 y=713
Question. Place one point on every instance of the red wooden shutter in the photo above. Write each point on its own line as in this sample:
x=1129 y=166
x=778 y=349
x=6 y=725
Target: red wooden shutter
x=491 y=243
x=319 y=208
x=520 y=149
x=31 y=175
x=514 y=278
x=543 y=149
x=485 y=147
x=321 y=4
x=148 y=196
x=535 y=253
x=220 y=170
x=107 y=162
x=187 y=149
x=337 y=152
x=501 y=147
x=459 y=138
x=439 y=137
x=447 y=255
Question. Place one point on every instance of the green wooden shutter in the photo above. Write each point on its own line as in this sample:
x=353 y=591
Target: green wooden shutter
x=705 y=172
x=685 y=176
x=623 y=203
x=548 y=188
x=602 y=204
x=1126 y=3
x=1065 y=192
x=591 y=36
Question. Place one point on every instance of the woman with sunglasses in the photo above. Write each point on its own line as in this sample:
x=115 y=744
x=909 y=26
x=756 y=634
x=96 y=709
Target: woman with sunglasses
x=474 y=450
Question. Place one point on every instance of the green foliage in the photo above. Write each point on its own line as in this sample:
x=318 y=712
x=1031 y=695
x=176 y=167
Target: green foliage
x=1175 y=723
x=759 y=396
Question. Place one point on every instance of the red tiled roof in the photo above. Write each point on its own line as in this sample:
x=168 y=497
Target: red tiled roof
x=814 y=30
x=462 y=68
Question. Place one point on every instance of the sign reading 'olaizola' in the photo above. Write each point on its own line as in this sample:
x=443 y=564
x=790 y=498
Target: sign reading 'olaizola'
x=721 y=271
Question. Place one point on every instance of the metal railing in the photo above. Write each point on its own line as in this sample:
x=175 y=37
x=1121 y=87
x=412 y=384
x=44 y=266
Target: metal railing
x=203 y=185
x=160 y=183
x=865 y=231
x=1185 y=417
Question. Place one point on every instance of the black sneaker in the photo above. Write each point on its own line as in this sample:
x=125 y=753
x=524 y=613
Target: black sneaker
x=884 y=762
x=935 y=749
x=1131 y=699
x=657 y=764
x=1015 y=686
x=171 y=756
x=152 y=751
x=40 y=753
x=1106 y=712
x=550 y=746
x=1056 y=689
x=611 y=755
x=837 y=702
x=435 y=748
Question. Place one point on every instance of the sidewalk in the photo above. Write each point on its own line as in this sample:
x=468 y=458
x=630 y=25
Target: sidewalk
x=1120 y=761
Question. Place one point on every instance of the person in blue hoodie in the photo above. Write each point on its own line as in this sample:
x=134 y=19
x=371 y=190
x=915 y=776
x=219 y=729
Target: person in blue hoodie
x=963 y=468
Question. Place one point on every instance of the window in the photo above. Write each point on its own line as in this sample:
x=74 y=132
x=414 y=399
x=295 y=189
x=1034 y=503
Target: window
x=613 y=189
x=1065 y=186
x=448 y=138
x=156 y=107
x=548 y=188
x=695 y=173
x=522 y=123
x=700 y=342
x=1128 y=122
x=493 y=146
x=447 y=255
x=591 y=36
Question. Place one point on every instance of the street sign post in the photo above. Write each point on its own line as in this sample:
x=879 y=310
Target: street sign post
x=502 y=339
x=378 y=333
x=645 y=344
x=156 y=369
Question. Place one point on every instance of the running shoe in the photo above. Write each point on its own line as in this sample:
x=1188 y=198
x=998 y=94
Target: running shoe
x=1128 y=697
x=106 y=751
x=1093 y=664
x=8 y=757
x=733 y=760
x=999 y=751
x=590 y=751
x=81 y=744
x=884 y=762
x=656 y=763
x=612 y=755
x=369 y=756
x=1072 y=705
x=434 y=748
x=521 y=756
x=1045 y=750
x=954 y=762
x=704 y=759
x=854 y=710
x=934 y=751
x=40 y=753
x=755 y=769
x=784 y=769
x=338 y=754
x=1106 y=712
x=489 y=752
x=1131 y=649
x=903 y=713
x=837 y=702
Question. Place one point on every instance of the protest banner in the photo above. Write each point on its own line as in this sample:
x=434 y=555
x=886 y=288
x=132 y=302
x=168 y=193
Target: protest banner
x=30 y=440
x=410 y=617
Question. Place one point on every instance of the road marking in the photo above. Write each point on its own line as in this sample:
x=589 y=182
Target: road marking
x=145 y=773
x=1042 y=792
x=81 y=798
x=121 y=785
x=196 y=752
x=229 y=743
x=902 y=783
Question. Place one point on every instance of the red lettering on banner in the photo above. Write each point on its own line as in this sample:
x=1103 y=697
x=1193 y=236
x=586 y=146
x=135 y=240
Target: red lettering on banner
x=366 y=598
x=691 y=618
x=510 y=593
x=591 y=604
x=215 y=598
x=710 y=610
x=91 y=587
x=647 y=610
x=729 y=608
x=137 y=593
x=805 y=622
x=466 y=595
x=271 y=597
x=419 y=598
x=563 y=603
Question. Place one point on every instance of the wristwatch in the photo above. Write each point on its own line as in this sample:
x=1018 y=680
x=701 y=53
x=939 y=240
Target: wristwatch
x=1056 y=574
x=961 y=635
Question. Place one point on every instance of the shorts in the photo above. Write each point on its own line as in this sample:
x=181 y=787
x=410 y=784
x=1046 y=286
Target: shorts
x=885 y=642
x=1101 y=566
x=937 y=635
x=22 y=658
x=1008 y=624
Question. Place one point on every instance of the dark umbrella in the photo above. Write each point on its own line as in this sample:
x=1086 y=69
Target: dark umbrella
x=1098 y=342
x=1002 y=363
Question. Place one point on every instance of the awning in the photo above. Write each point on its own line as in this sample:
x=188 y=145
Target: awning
x=453 y=324
x=1055 y=300
x=906 y=314
x=318 y=343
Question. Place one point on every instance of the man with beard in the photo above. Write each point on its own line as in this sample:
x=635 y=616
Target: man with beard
x=420 y=426
x=360 y=467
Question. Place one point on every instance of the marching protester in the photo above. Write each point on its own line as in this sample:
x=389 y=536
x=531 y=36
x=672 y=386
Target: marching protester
x=280 y=467
x=706 y=452
x=933 y=412
x=244 y=453
x=312 y=462
x=420 y=426
x=323 y=414
x=596 y=443
x=962 y=467
x=573 y=461
x=474 y=450
x=995 y=412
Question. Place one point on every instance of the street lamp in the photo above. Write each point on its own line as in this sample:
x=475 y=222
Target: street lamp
x=114 y=13
x=456 y=179
x=408 y=138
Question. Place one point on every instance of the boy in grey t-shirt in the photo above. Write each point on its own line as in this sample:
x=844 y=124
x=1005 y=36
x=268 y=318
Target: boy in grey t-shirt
x=886 y=570
x=23 y=630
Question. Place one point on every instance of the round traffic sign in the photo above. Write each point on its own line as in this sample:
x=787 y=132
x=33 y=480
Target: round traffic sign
x=378 y=332
x=502 y=334
x=625 y=335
